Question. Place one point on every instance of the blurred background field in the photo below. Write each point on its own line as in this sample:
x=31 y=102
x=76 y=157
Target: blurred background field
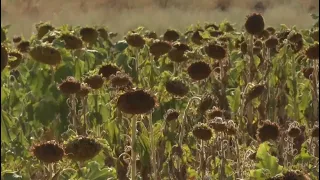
x=123 y=15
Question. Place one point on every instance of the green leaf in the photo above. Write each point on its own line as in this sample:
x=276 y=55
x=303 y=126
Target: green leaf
x=257 y=174
x=79 y=69
x=98 y=173
x=266 y=160
x=234 y=100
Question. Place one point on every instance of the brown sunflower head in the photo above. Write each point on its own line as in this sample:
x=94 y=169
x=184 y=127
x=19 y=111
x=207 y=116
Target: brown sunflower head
x=95 y=81
x=315 y=132
x=218 y=124
x=4 y=57
x=295 y=174
x=135 y=40
x=18 y=59
x=46 y=55
x=84 y=90
x=176 y=87
x=177 y=53
x=206 y=103
x=215 y=112
x=70 y=86
x=82 y=149
x=254 y=24
x=256 y=50
x=151 y=35
x=24 y=46
x=315 y=35
x=202 y=131
x=103 y=33
x=121 y=81
x=199 y=70
x=264 y=34
x=196 y=37
x=107 y=70
x=313 y=51
x=89 y=35
x=43 y=29
x=171 y=35
x=231 y=128
x=271 y=30
x=159 y=48
x=16 y=39
x=258 y=43
x=294 y=37
x=48 y=152
x=255 y=91
x=136 y=102
x=272 y=42
x=294 y=130
x=215 y=51
x=268 y=131
x=72 y=42
x=244 y=47
x=171 y=115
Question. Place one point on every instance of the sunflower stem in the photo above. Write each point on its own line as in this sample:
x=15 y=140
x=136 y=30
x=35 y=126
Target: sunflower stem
x=315 y=94
x=181 y=135
x=73 y=111
x=133 y=148
x=251 y=63
x=84 y=111
x=153 y=150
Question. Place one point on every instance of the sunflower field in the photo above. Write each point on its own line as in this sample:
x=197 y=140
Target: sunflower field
x=210 y=103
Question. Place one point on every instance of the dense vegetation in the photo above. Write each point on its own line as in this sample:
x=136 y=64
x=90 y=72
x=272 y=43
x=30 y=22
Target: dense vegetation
x=209 y=103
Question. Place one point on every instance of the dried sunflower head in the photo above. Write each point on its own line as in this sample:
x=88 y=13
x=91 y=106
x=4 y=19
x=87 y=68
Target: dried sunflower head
x=71 y=41
x=294 y=131
x=196 y=37
x=49 y=38
x=296 y=175
x=258 y=43
x=177 y=53
x=268 y=131
x=121 y=81
x=202 y=131
x=264 y=34
x=46 y=54
x=43 y=29
x=136 y=102
x=244 y=47
x=315 y=132
x=254 y=92
x=215 y=51
x=159 y=48
x=16 y=39
x=103 y=33
x=95 y=81
x=18 y=59
x=271 y=30
x=271 y=42
x=151 y=35
x=199 y=70
x=135 y=40
x=218 y=124
x=176 y=87
x=313 y=51
x=70 y=86
x=84 y=90
x=216 y=33
x=294 y=37
x=82 y=149
x=24 y=46
x=89 y=35
x=171 y=35
x=4 y=57
x=107 y=70
x=171 y=115
x=211 y=25
x=254 y=24
x=48 y=152
x=256 y=50
x=206 y=103
x=215 y=112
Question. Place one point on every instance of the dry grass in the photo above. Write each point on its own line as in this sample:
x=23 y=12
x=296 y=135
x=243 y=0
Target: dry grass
x=122 y=15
